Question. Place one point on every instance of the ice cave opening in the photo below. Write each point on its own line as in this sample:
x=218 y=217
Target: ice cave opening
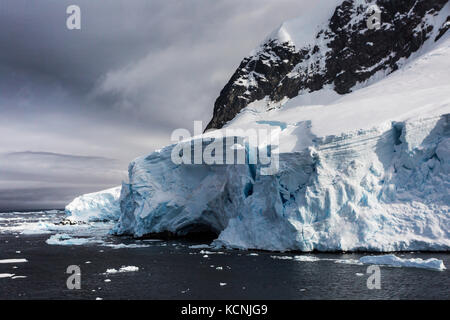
x=198 y=231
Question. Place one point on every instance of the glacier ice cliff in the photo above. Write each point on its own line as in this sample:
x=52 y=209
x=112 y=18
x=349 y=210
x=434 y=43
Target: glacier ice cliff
x=374 y=190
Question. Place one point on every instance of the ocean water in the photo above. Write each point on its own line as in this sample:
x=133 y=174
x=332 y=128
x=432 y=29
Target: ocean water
x=182 y=270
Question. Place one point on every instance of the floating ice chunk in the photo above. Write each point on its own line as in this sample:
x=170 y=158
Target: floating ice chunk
x=129 y=269
x=282 y=257
x=30 y=232
x=303 y=258
x=26 y=227
x=394 y=261
x=123 y=269
x=306 y=258
x=13 y=260
x=211 y=252
x=200 y=246
x=346 y=261
x=63 y=239
x=112 y=270
x=125 y=246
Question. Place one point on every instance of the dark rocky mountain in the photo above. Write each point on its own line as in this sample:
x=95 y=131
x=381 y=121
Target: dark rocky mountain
x=346 y=53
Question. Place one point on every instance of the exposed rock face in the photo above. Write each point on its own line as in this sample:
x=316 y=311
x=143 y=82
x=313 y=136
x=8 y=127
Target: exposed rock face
x=256 y=77
x=346 y=53
x=443 y=29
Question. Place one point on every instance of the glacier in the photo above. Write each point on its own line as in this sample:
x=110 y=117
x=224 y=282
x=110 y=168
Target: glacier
x=364 y=171
x=374 y=190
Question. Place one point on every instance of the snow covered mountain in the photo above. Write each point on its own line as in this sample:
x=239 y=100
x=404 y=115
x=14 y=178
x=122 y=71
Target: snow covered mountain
x=364 y=141
x=331 y=47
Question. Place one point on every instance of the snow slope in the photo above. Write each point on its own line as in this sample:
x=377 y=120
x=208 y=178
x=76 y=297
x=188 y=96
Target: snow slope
x=312 y=20
x=368 y=170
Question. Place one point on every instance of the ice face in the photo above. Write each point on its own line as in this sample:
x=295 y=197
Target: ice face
x=381 y=190
x=163 y=196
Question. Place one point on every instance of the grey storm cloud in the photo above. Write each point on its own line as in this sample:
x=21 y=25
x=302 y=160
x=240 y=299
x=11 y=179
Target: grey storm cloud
x=115 y=89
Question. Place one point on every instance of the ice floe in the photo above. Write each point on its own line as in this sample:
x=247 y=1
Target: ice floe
x=394 y=261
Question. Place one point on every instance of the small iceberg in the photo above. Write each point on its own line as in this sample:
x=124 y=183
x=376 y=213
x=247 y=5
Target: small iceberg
x=394 y=261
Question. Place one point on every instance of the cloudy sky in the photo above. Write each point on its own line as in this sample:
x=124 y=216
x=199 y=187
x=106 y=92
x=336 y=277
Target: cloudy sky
x=77 y=105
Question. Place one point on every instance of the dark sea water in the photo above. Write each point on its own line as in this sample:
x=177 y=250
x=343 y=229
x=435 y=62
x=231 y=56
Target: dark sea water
x=173 y=270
